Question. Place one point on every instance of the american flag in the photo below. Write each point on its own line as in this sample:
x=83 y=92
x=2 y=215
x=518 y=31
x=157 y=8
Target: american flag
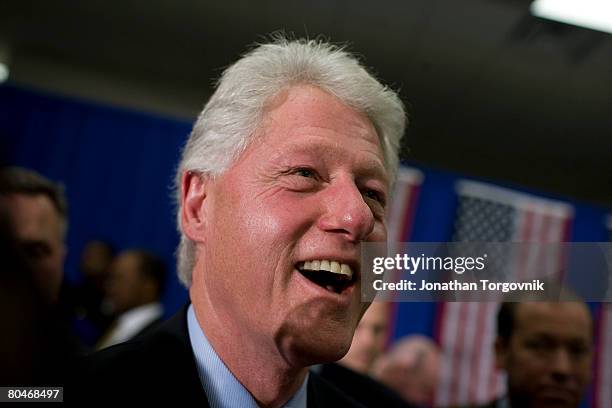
x=403 y=204
x=401 y=216
x=466 y=330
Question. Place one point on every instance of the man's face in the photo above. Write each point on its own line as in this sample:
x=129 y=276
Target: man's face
x=369 y=340
x=310 y=188
x=127 y=288
x=40 y=232
x=548 y=357
x=95 y=260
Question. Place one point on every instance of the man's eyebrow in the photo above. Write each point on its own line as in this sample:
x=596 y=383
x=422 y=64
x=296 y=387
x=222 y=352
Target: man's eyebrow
x=373 y=169
x=367 y=168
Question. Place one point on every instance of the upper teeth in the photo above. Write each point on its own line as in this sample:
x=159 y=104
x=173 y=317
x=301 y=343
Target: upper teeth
x=326 y=265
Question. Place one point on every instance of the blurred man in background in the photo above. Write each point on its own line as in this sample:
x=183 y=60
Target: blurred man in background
x=96 y=260
x=35 y=342
x=135 y=286
x=351 y=374
x=411 y=368
x=370 y=338
x=20 y=312
x=36 y=209
x=546 y=350
x=86 y=300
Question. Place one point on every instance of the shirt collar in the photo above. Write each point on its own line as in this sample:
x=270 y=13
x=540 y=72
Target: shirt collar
x=130 y=323
x=222 y=389
x=141 y=314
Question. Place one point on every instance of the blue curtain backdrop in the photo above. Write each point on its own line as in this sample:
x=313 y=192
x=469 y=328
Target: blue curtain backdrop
x=117 y=166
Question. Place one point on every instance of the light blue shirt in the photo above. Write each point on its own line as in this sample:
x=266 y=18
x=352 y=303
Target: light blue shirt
x=222 y=389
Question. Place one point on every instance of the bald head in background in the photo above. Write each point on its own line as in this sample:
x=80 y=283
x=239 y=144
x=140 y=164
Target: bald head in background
x=411 y=368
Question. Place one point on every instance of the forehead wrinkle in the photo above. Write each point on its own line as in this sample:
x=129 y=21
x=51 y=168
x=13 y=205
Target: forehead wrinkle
x=323 y=149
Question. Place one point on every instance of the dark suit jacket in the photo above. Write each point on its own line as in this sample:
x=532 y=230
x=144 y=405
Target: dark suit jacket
x=159 y=368
x=364 y=389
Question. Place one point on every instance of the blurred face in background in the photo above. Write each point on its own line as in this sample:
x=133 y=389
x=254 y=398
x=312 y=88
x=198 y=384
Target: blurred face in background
x=369 y=339
x=548 y=356
x=95 y=260
x=40 y=231
x=411 y=368
x=127 y=286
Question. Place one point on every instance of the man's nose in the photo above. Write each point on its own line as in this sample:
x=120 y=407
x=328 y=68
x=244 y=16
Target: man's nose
x=346 y=212
x=561 y=367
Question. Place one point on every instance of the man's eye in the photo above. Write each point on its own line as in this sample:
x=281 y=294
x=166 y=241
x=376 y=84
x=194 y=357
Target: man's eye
x=540 y=345
x=36 y=250
x=374 y=195
x=305 y=172
x=578 y=350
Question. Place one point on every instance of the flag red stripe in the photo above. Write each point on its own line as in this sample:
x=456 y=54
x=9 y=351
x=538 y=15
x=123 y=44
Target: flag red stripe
x=412 y=197
x=525 y=236
x=458 y=350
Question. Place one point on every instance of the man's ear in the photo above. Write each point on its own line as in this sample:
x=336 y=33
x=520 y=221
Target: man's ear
x=501 y=353
x=194 y=193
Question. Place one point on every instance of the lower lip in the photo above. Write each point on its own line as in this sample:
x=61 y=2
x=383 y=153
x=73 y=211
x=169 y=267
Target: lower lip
x=343 y=298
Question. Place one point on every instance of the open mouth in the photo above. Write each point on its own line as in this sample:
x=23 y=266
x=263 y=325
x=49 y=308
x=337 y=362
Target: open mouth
x=331 y=275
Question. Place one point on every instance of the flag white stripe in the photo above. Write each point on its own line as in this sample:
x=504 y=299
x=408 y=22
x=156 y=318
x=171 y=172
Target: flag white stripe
x=465 y=369
x=537 y=221
x=450 y=324
x=552 y=261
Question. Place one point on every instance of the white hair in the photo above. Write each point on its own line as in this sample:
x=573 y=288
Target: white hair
x=229 y=121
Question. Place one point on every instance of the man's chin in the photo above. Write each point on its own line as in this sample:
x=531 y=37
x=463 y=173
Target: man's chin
x=315 y=332
x=302 y=346
x=558 y=401
x=307 y=353
x=548 y=399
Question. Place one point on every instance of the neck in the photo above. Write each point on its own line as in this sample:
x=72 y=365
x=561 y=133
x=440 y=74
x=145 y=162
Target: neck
x=257 y=365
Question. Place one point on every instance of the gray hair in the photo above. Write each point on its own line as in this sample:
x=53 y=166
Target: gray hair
x=231 y=117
